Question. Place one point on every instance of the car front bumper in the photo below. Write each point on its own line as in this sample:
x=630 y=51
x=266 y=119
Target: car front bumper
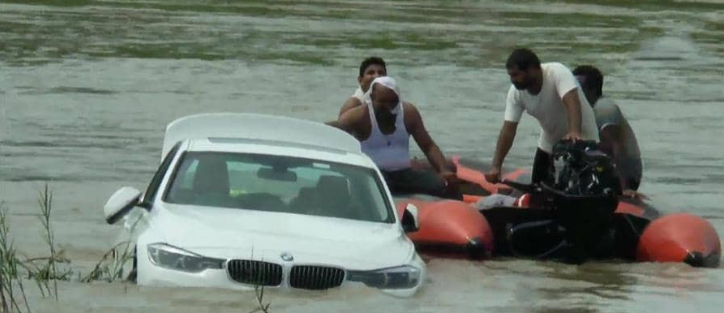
x=153 y=275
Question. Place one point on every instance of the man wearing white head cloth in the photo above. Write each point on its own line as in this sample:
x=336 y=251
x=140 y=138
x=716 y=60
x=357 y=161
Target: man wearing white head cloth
x=383 y=125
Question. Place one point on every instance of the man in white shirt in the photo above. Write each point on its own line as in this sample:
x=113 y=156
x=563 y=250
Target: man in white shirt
x=550 y=93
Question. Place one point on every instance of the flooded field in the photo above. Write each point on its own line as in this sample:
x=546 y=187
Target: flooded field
x=88 y=86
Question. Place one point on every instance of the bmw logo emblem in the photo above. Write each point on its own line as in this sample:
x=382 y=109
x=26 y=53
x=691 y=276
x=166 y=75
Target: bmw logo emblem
x=286 y=256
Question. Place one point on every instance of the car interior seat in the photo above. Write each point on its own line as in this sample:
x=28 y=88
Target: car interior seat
x=329 y=197
x=211 y=182
x=333 y=196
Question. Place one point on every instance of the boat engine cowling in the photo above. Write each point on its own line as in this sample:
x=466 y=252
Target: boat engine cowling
x=585 y=170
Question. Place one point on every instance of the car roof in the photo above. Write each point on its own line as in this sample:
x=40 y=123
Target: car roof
x=260 y=130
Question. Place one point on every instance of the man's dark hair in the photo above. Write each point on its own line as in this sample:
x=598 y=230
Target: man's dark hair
x=371 y=61
x=593 y=79
x=523 y=59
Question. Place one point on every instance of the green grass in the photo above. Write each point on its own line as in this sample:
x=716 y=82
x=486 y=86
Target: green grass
x=55 y=3
x=655 y=5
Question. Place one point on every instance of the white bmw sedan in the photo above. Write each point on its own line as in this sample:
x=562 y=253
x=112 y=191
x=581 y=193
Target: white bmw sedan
x=244 y=200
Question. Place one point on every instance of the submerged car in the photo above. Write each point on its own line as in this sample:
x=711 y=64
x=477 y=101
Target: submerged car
x=246 y=200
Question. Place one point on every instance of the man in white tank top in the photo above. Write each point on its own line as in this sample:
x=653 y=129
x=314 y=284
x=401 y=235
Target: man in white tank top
x=369 y=69
x=383 y=125
x=551 y=94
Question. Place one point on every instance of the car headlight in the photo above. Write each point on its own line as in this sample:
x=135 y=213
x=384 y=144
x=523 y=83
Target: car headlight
x=174 y=258
x=401 y=277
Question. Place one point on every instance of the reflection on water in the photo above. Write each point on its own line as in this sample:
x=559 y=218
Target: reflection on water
x=88 y=86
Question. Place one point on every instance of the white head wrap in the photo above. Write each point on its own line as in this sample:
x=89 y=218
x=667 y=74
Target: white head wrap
x=391 y=84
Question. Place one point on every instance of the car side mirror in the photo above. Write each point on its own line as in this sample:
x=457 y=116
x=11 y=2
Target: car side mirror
x=410 y=221
x=120 y=203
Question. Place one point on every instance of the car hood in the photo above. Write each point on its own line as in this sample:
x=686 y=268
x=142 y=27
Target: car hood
x=258 y=235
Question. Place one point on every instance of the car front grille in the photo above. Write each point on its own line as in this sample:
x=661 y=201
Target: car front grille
x=315 y=277
x=255 y=272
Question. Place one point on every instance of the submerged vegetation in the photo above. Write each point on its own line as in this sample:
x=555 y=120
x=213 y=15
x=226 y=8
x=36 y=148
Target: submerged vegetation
x=46 y=271
x=111 y=265
x=11 y=285
x=259 y=294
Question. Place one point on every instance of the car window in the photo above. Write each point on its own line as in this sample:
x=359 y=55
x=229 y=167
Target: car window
x=160 y=173
x=279 y=184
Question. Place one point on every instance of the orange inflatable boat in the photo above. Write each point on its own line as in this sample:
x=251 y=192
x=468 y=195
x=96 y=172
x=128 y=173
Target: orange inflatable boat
x=636 y=231
x=450 y=228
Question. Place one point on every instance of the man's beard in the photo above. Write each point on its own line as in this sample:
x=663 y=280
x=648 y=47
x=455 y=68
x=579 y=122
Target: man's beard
x=521 y=86
x=385 y=115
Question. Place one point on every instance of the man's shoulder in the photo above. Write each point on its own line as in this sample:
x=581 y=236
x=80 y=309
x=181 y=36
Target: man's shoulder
x=513 y=93
x=559 y=77
x=412 y=116
x=554 y=67
x=354 y=113
x=607 y=112
x=605 y=104
x=353 y=102
x=410 y=111
x=408 y=105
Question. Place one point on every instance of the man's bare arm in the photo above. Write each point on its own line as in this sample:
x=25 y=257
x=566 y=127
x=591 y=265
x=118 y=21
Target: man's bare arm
x=612 y=138
x=349 y=121
x=502 y=147
x=573 y=108
x=351 y=103
x=424 y=141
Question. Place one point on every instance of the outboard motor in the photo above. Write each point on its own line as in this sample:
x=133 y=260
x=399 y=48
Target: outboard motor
x=585 y=170
x=584 y=197
x=575 y=216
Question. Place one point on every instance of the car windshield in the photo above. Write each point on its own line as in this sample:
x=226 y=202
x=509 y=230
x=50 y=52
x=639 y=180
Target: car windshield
x=279 y=184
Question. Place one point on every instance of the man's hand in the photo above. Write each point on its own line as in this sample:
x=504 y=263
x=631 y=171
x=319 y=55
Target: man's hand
x=450 y=177
x=493 y=177
x=633 y=194
x=573 y=136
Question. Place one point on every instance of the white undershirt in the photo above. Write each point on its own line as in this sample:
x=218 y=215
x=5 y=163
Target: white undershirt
x=389 y=152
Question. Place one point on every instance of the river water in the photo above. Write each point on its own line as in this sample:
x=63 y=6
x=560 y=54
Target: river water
x=87 y=87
